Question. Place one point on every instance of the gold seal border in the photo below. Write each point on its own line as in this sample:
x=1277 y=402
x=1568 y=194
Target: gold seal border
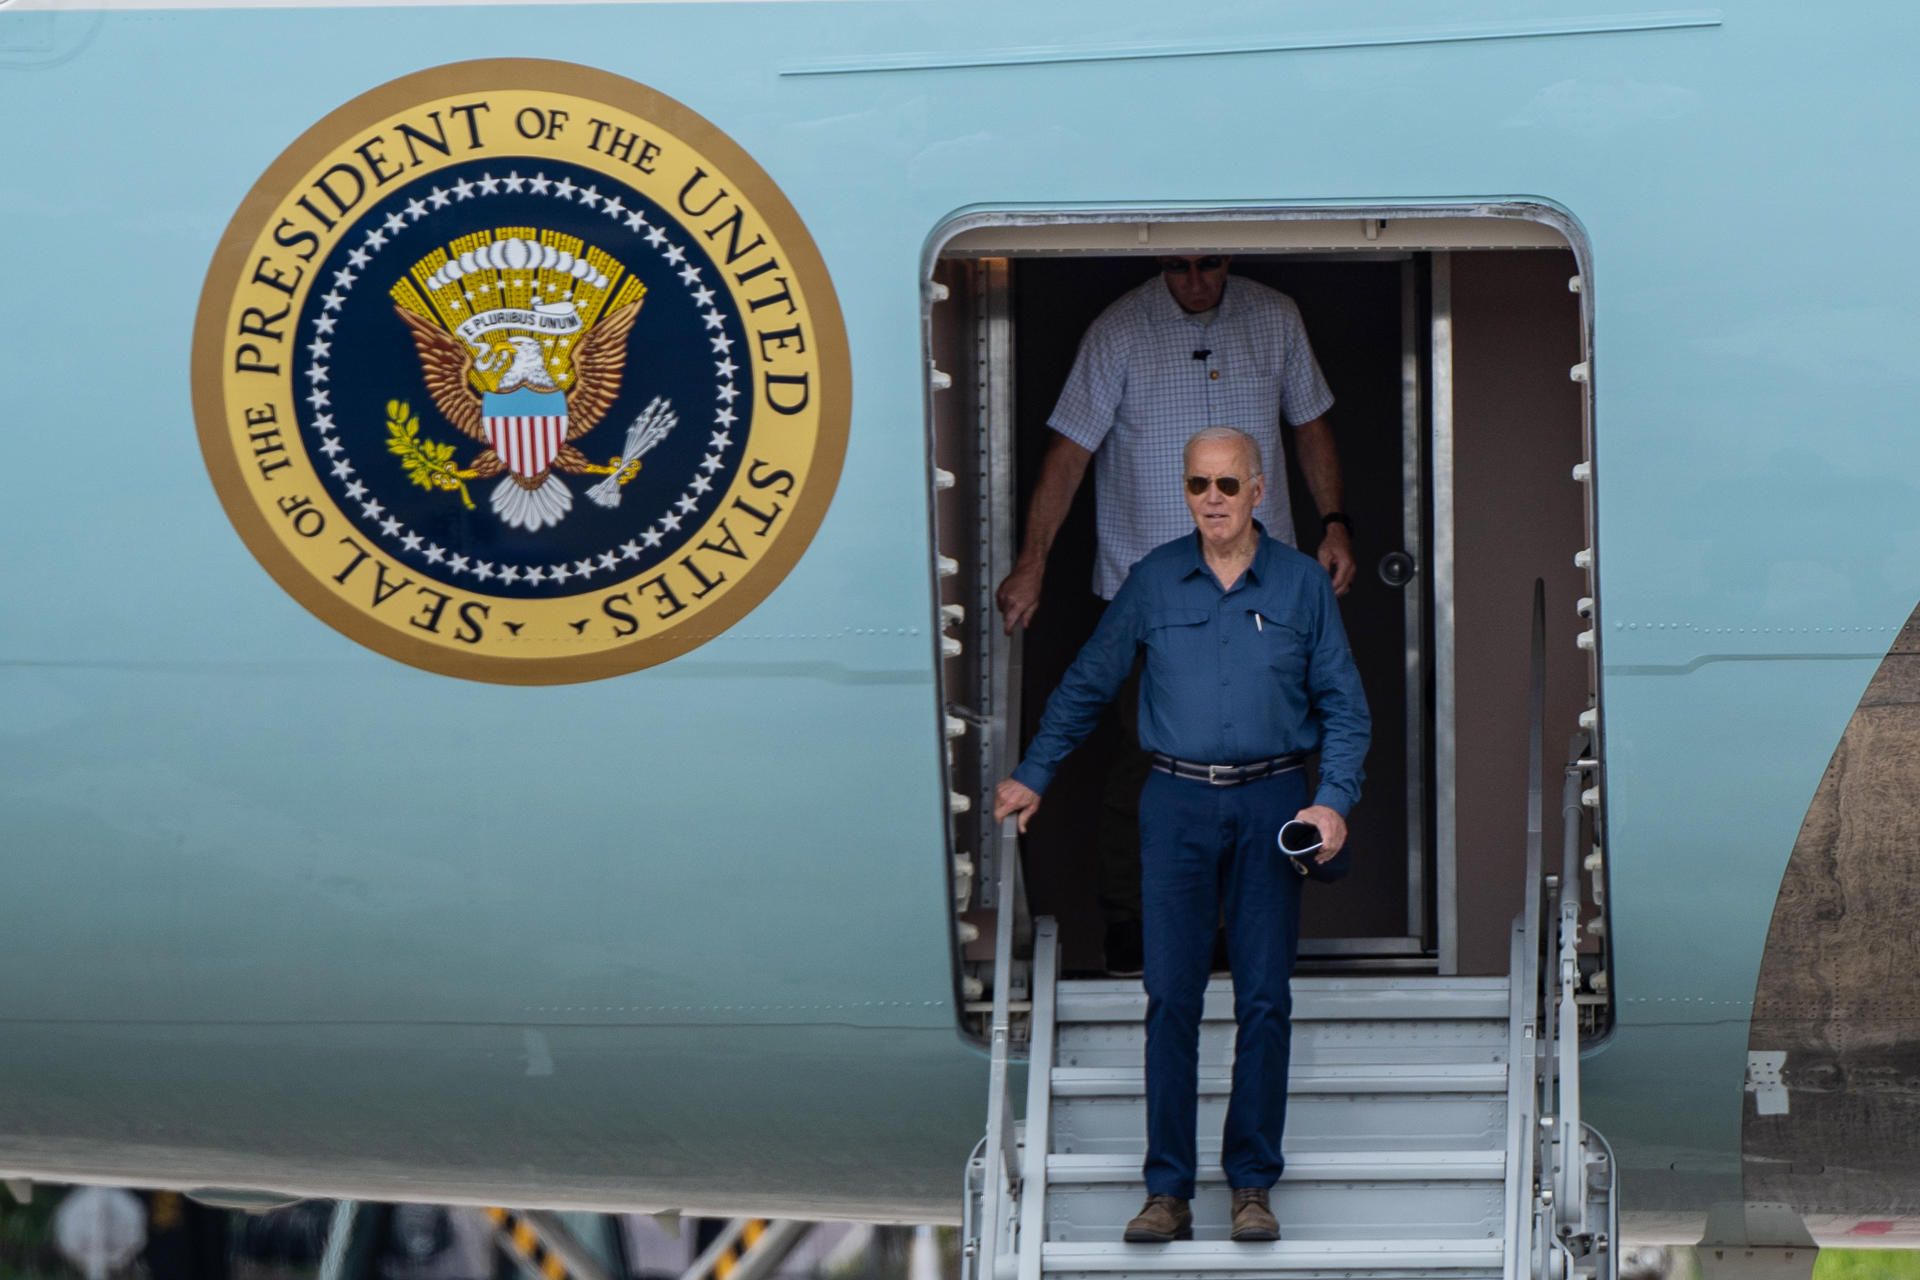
x=223 y=281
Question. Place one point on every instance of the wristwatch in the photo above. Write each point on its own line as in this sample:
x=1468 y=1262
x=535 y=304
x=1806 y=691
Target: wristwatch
x=1333 y=518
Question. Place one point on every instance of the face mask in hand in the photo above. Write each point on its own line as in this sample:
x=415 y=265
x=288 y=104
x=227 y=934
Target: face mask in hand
x=1299 y=841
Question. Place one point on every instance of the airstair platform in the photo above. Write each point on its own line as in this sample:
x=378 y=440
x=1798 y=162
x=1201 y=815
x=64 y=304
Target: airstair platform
x=1433 y=1124
x=1413 y=1144
x=1396 y=1125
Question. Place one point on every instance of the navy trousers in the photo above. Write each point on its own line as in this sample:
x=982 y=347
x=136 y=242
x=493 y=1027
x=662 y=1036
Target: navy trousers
x=1203 y=848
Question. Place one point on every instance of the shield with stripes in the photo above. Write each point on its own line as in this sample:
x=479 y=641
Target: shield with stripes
x=525 y=427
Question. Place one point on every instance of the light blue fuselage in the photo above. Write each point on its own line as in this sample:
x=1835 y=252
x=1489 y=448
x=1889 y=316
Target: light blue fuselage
x=268 y=908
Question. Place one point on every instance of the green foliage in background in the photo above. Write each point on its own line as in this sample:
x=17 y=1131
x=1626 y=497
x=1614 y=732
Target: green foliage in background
x=26 y=1233
x=1867 y=1264
x=1832 y=1264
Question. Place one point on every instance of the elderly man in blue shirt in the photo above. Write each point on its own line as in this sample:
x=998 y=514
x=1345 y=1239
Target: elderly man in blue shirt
x=1190 y=348
x=1247 y=671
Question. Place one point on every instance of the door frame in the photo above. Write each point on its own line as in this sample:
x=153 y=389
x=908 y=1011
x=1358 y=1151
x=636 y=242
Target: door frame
x=1430 y=229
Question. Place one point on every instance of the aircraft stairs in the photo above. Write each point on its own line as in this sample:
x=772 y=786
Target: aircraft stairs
x=1433 y=1122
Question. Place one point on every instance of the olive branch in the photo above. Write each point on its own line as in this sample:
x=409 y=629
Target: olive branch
x=429 y=463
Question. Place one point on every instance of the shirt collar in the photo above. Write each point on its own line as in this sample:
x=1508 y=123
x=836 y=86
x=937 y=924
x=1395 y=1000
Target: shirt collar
x=1262 y=555
x=1196 y=561
x=1166 y=310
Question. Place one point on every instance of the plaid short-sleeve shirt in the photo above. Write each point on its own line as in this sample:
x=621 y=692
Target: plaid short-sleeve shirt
x=1140 y=388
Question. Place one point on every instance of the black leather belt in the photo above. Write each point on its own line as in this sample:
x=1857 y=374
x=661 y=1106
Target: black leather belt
x=1229 y=775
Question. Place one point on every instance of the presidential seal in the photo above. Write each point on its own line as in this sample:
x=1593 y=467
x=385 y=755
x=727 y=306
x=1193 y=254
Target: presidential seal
x=522 y=372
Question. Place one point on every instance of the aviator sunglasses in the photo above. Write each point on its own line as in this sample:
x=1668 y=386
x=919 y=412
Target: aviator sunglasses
x=1227 y=485
x=1180 y=266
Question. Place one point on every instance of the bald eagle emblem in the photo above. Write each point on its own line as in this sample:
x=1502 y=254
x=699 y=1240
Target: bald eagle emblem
x=522 y=339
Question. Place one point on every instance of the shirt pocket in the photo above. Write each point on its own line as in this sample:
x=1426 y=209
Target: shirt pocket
x=1286 y=642
x=1176 y=640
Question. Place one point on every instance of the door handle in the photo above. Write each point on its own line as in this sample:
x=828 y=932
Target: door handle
x=1397 y=568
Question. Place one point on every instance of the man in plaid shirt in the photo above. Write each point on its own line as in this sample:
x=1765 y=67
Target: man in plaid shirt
x=1192 y=348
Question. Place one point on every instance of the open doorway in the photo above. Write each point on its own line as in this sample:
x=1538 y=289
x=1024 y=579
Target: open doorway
x=1455 y=349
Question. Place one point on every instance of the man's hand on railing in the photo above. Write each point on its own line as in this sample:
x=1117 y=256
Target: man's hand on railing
x=1015 y=797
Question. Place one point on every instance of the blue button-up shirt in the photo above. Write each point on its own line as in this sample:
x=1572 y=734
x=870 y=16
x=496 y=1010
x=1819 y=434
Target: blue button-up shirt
x=1259 y=671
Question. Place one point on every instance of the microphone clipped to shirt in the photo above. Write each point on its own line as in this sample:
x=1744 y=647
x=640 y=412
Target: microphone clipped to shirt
x=1203 y=353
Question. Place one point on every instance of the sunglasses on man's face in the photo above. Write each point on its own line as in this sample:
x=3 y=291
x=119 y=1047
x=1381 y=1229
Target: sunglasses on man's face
x=1180 y=266
x=1227 y=485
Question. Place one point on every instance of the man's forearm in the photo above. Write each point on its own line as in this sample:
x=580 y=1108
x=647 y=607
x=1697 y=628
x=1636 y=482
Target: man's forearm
x=1060 y=474
x=1018 y=596
x=1340 y=704
x=1083 y=693
x=1320 y=464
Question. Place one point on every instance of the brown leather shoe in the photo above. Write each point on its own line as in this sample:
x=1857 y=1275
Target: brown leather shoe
x=1252 y=1220
x=1160 y=1220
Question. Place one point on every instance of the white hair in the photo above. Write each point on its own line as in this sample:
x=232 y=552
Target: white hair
x=1206 y=435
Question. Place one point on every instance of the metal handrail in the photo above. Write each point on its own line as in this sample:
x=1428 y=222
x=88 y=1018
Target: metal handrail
x=1521 y=1092
x=1040 y=1036
x=1552 y=915
x=1528 y=1068
x=1536 y=978
x=1536 y=745
x=1540 y=886
x=1570 y=1197
x=1548 y=1201
x=1001 y=1176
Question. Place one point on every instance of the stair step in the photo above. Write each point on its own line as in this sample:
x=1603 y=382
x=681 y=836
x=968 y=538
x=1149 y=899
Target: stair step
x=1096 y=1213
x=1355 y=1078
x=1121 y=1044
x=1302 y=1166
x=1379 y=1259
x=1314 y=999
x=1315 y=1121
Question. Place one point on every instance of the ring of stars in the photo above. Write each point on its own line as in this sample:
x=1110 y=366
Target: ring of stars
x=405 y=540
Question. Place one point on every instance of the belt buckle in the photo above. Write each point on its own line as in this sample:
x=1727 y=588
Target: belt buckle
x=1213 y=774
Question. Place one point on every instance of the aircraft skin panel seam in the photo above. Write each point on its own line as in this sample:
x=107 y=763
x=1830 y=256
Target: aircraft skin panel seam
x=139 y=6
x=1464 y=33
x=1685 y=668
